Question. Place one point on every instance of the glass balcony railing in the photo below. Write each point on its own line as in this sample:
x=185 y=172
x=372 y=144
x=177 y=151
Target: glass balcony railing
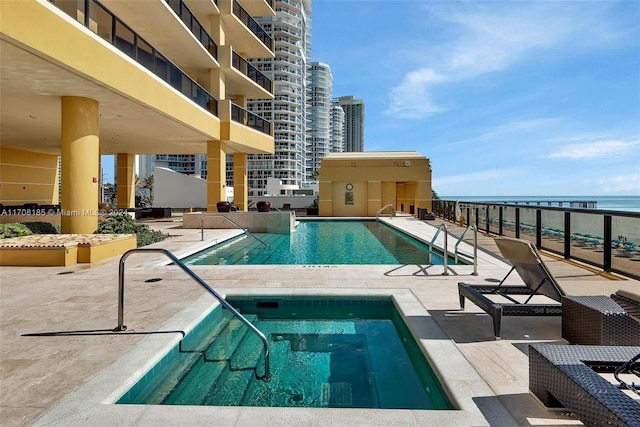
x=192 y=23
x=251 y=72
x=252 y=25
x=101 y=21
x=609 y=240
x=247 y=118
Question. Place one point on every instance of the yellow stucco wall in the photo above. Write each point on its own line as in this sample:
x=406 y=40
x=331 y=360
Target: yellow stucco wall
x=360 y=184
x=28 y=177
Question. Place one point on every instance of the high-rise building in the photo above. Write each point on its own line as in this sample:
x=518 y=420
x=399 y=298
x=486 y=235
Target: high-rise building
x=125 y=78
x=318 y=116
x=290 y=30
x=337 y=127
x=353 y=123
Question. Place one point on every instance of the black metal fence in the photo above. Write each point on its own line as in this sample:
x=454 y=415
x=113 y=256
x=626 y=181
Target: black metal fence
x=609 y=240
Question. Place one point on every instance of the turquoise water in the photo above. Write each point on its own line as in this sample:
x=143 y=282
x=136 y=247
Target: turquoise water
x=343 y=353
x=321 y=242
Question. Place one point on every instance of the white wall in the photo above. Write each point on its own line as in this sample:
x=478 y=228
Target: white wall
x=175 y=190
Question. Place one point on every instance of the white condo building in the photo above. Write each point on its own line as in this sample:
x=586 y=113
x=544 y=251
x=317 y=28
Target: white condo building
x=337 y=127
x=319 y=107
x=290 y=30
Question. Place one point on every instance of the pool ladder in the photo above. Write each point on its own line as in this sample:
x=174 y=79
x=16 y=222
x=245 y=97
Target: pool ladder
x=460 y=239
x=382 y=209
x=121 y=326
x=203 y=217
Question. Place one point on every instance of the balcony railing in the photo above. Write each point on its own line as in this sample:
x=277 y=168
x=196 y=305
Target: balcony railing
x=252 y=25
x=101 y=21
x=609 y=240
x=192 y=23
x=250 y=71
x=247 y=118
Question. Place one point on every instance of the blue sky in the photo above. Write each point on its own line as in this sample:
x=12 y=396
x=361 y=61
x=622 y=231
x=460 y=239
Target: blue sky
x=507 y=98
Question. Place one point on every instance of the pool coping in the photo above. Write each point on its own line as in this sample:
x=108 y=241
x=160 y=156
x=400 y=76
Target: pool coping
x=93 y=403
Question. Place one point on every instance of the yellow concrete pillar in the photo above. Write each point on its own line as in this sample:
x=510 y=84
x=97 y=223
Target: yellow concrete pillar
x=423 y=195
x=374 y=197
x=401 y=202
x=325 y=198
x=126 y=181
x=388 y=193
x=80 y=158
x=216 y=174
x=240 y=181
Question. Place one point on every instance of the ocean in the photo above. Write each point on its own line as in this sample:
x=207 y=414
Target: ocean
x=610 y=203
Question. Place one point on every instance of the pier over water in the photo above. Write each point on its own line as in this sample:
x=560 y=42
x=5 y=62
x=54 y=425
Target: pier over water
x=584 y=204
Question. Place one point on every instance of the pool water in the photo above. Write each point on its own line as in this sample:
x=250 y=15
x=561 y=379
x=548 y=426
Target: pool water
x=322 y=242
x=325 y=352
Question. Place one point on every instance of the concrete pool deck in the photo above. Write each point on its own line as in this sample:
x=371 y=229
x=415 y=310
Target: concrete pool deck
x=38 y=372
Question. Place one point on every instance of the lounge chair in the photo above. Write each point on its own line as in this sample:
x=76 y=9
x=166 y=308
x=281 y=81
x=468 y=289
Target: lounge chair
x=525 y=259
x=566 y=376
x=630 y=302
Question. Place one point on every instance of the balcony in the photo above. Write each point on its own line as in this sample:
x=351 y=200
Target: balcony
x=112 y=29
x=162 y=23
x=192 y=23
x=239 y=125
x=242 y=78
x=259 y=7
x=249 y=38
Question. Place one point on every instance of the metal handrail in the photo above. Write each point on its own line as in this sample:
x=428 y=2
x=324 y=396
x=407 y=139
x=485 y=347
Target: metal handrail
x=440 y=227
x=393 y=211
x=121 y=326
x=232 y=222
x=475 y=247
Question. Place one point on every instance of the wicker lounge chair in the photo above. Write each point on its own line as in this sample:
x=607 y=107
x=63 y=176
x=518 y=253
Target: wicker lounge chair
x=564 y=376
x=525 y=259
x=630 y=302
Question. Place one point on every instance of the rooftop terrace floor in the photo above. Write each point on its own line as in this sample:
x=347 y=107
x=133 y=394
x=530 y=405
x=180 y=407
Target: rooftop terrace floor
x=37 y=372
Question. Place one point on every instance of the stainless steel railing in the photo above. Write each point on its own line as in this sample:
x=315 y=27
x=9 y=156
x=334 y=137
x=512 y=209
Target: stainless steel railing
x=202 y=218
x=445 y=255
x=475 y=247
x=121 y=326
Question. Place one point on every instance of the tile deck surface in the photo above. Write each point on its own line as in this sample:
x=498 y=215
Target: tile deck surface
x=38 y=372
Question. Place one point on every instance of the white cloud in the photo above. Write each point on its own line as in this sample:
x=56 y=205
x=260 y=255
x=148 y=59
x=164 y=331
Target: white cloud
x=414 y=88
x=483 y=37
x=593 y=150
x=621 y=184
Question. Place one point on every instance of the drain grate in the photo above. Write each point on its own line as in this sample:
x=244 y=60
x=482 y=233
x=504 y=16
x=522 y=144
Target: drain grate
x=337 y=394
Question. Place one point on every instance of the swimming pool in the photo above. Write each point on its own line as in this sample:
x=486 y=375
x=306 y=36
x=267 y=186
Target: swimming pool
x=322 y=242
x=325 y=352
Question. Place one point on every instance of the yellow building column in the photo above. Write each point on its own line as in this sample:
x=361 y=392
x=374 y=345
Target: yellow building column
x=240 y=181
x=126 y=181
x=374 y=197
x=325 y=203
x=216 y=174
x=423 y=195
x=80 y=158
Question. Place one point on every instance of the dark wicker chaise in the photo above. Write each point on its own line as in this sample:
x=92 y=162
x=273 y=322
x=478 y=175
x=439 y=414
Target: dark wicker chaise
x=564 y=376
x=525 y=259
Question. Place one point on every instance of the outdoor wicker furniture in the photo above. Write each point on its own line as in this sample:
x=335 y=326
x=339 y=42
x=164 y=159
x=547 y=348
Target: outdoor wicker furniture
x=597 y=320
x=562 y=376
x=525 y=259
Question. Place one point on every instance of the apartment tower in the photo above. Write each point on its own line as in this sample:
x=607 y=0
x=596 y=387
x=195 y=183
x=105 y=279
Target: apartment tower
x=290 y=30
x=318 y=116
x=337 y=127
x=353 y=123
